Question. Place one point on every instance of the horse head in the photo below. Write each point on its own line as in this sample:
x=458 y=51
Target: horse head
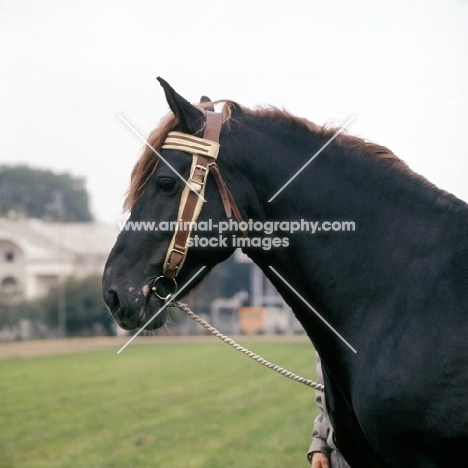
x=161 y=250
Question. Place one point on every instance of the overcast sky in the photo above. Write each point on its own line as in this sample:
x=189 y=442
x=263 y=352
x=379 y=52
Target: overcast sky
x=69 y=68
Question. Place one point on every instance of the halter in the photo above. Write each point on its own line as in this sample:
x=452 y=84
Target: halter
x=204 y=153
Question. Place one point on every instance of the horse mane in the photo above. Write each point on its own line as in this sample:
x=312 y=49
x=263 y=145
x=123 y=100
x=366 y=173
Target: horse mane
x=148 y=162
x=325 y=132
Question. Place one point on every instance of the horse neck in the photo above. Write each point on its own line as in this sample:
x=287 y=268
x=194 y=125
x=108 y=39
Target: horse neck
x=344 y=275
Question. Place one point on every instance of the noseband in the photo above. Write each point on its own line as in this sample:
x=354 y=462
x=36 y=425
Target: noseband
x=204 y=153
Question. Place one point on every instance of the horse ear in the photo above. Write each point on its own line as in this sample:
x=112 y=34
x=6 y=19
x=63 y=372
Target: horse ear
x=207 y=99
x=189 y=116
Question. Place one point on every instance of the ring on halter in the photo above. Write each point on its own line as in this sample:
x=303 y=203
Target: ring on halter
x=168 y=295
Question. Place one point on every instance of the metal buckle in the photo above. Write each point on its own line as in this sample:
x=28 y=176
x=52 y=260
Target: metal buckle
x=181 y=252
x=198 y=178
x=168 y=296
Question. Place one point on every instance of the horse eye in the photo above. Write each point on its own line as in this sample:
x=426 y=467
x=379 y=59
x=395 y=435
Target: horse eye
x=165 y=184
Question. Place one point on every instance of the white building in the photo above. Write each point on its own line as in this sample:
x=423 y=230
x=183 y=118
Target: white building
x=36 y=255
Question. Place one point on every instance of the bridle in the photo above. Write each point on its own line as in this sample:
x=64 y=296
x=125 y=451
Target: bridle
x=204 y=153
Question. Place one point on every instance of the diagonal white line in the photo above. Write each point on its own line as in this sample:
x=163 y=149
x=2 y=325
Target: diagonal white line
x=311 y=159
x=159 y=155
x=312 y=309
x=168 y=302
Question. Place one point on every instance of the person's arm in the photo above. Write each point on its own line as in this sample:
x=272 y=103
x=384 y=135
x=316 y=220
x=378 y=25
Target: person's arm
x=319 y=451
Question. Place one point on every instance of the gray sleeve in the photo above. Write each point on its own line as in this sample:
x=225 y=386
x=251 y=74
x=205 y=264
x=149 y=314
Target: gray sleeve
x=322 y=426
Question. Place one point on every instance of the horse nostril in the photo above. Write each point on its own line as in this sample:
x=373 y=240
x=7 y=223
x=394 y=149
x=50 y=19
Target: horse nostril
x=112 y=300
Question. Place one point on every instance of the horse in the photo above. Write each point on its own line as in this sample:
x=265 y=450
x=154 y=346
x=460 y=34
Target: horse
x=384 y=304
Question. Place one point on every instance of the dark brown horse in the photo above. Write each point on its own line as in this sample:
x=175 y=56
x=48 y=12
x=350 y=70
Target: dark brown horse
x=394 y=289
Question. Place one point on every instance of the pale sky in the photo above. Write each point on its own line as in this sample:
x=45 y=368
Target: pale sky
x=67 y=69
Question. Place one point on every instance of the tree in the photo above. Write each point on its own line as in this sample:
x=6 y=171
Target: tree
x=86 y=313
x=43 y=194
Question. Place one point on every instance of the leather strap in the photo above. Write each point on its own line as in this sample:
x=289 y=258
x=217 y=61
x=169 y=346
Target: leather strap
x=189 y=210
x=204 y=151
x=213 y=123
x=212 y=131
x=226 y=196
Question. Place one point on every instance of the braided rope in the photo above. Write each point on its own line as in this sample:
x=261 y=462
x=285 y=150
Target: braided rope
x=310 y=383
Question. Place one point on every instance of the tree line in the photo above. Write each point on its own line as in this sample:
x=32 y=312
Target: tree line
x=43 y=194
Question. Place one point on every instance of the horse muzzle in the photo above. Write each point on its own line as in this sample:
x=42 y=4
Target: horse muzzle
x=135 y=311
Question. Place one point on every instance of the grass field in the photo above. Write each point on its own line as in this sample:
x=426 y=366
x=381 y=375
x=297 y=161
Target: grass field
x=163 y=404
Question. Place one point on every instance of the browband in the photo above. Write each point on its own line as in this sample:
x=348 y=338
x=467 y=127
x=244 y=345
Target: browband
x=191 y=144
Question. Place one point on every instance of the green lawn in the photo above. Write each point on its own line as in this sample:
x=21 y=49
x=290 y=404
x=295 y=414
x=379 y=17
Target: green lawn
x=158 y=405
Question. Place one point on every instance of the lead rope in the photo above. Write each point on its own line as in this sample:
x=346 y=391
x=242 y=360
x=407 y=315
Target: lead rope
x=310 y=383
